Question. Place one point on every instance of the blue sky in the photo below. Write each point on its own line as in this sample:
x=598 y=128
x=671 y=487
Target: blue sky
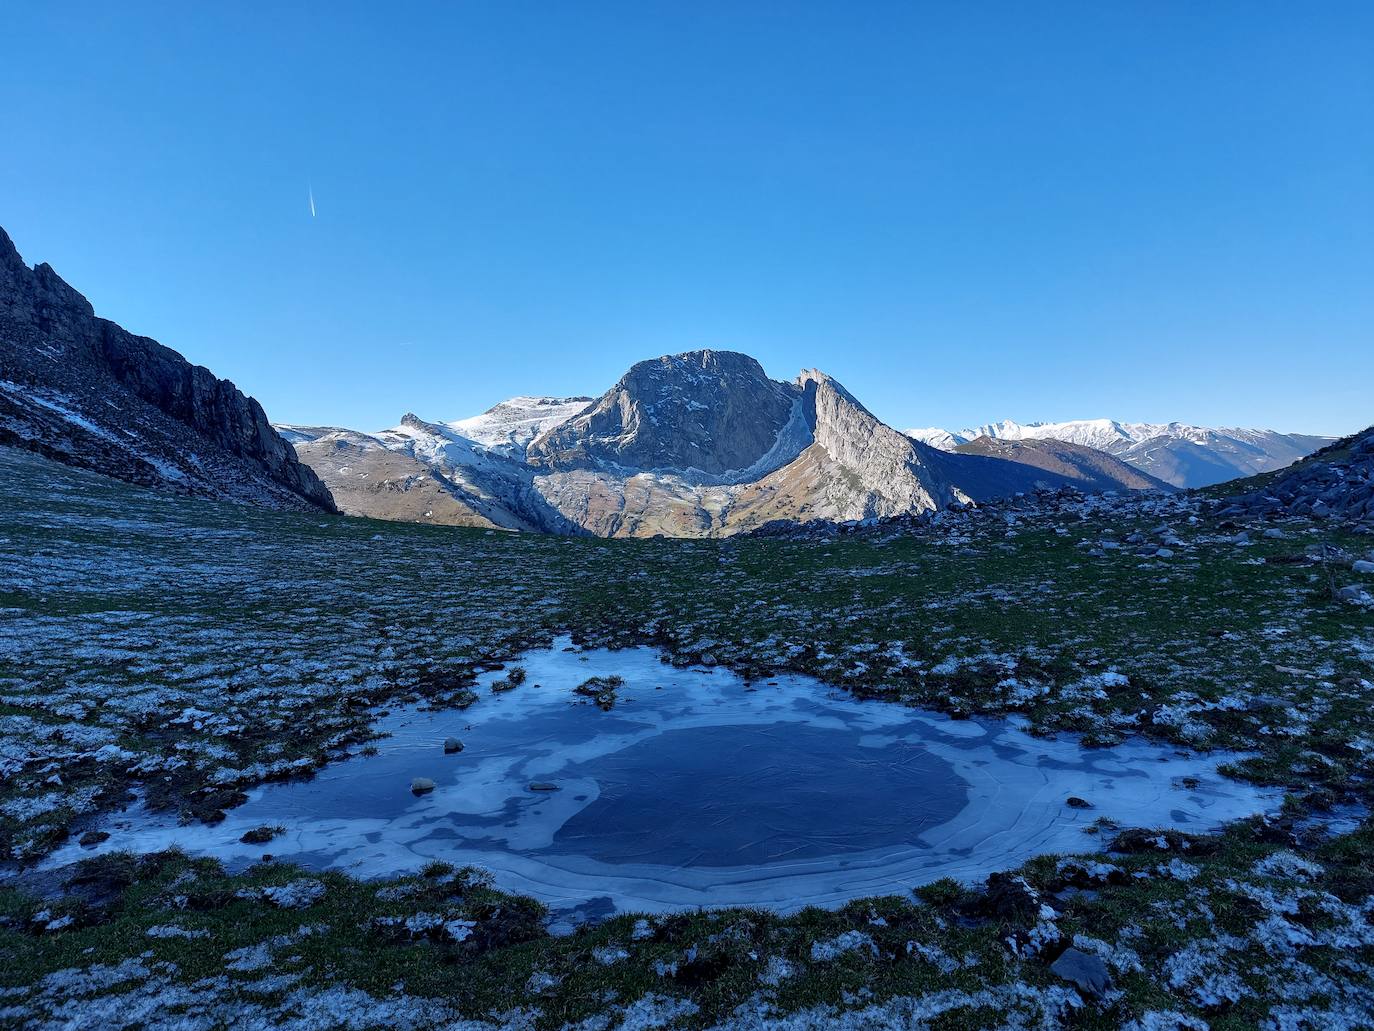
x=964 y=212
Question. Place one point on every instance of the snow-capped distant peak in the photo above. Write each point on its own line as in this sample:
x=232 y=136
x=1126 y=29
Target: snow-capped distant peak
x=1098 y=433
x=1182 y=454
x=936 y=437
x=512 y=424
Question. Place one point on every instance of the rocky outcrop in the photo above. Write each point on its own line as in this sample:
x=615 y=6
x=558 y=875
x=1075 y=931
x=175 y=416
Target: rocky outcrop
x=81 y=389
x=1336 y=482
x=882 y=471
x=709 y=412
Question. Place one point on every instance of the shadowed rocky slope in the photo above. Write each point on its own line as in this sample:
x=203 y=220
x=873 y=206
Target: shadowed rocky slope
x=84 y=391
x=1337 y=481
x=1089 y=468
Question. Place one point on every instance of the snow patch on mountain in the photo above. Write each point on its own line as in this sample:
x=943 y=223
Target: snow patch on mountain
x=936 y=437
x=510 y=425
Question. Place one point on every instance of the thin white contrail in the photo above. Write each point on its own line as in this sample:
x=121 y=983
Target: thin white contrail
x=311 y=190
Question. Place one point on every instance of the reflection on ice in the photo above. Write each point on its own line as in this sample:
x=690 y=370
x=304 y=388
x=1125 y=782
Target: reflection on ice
x=699 y=790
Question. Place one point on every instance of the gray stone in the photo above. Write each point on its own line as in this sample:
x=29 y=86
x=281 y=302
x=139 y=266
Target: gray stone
x=1084 y=970
x=421 y=786
x=452 y=745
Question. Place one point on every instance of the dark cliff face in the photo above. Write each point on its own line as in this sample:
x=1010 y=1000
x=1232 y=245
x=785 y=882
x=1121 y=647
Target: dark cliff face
x=713 y=411
x=85 y=391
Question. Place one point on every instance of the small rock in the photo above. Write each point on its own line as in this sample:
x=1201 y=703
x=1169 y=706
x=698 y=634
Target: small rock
x=1010 y=897
x=1164 y=553
x=1275 y=533
x=421 y=786
x=452 y=745
x=94 y=837
x=1083 y=969
x=542 y=785
x=1362 y=566
x=1074 y=802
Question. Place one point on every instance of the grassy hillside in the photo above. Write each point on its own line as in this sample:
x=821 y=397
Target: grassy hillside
x=186 y=649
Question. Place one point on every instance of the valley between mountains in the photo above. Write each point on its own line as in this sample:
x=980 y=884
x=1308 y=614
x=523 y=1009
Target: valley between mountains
x=199 y=610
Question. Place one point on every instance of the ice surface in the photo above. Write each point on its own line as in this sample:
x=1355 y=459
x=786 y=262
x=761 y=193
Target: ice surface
x=698 y=789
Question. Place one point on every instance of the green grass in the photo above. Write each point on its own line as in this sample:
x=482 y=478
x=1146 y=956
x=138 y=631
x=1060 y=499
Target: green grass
x=120 y=610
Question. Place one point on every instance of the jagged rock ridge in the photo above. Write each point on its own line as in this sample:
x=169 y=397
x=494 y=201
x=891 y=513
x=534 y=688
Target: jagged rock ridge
x=84 y=391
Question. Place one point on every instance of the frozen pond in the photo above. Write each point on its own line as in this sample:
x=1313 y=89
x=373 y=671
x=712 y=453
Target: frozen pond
x=699 y=790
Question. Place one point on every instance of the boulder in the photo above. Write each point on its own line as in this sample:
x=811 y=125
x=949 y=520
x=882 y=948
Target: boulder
x=1011 y=897
x=1084 y=970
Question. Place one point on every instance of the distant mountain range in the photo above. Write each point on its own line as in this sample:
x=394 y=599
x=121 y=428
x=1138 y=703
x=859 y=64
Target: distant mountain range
x=1089 y=468
x=1177 y=453
x=84 y=391
x=696 y=444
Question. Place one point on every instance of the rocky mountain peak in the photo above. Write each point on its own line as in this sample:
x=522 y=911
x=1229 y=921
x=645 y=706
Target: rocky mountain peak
x=706 y=411
x=9 y=253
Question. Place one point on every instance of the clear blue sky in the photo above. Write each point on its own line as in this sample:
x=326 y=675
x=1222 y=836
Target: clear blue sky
x=963 y=211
